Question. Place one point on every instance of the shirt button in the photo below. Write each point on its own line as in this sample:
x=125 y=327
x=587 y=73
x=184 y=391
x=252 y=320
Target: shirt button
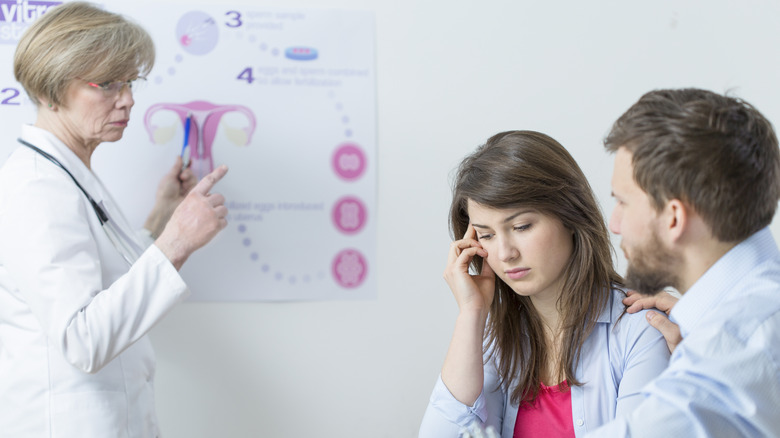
x=580 y=422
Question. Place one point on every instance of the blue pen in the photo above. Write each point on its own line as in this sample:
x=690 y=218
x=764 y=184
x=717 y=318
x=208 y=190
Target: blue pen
x=185 y=150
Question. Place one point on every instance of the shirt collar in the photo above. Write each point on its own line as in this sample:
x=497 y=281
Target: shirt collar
x=614 y=308
x=719 y=280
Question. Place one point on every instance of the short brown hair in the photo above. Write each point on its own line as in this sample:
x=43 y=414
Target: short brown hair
x=715 y=153
x=530 y=169
x=79 y=40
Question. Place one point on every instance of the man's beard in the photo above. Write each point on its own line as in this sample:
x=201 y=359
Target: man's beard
x=651 y=267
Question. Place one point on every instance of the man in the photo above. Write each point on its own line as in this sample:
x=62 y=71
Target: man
x=697 y=182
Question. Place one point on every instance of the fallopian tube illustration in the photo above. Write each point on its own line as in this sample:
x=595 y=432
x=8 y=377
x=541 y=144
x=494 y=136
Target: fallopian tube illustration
x=205 y=118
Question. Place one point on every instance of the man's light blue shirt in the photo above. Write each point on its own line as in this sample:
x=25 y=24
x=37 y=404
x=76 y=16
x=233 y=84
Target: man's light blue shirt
x=723 y=380
x=619 y=357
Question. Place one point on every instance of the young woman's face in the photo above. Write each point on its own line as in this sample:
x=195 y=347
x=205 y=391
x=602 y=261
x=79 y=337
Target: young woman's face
x=526 y=249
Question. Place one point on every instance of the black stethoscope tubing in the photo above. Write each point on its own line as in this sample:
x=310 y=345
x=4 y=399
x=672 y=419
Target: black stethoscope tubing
x=102 y=216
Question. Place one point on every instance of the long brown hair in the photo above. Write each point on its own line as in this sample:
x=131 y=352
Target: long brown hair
x=529 y=169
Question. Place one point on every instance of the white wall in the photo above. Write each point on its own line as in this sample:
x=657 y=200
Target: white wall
x=450 y=74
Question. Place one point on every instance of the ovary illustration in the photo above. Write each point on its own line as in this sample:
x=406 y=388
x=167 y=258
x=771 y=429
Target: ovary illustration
x=206 y=117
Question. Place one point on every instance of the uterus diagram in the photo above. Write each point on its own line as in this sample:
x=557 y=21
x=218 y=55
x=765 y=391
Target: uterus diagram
x=204 y=121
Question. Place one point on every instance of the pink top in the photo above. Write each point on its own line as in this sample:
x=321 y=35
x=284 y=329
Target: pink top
x=550 y=415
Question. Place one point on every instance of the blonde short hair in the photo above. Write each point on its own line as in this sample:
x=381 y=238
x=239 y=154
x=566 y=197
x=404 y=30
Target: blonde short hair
x=79 y=40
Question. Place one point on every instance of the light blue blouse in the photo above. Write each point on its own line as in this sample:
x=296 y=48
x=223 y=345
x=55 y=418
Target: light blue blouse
x=617 y=360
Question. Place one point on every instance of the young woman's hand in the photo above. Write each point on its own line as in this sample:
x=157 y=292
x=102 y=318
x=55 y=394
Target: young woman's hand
x=472 y=292
x=462 y=371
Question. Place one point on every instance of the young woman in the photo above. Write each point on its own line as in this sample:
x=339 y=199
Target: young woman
x=542 y=346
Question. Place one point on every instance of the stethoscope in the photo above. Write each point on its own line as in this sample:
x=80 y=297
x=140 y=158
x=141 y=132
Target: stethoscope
x=102 y=216
x=126 y=249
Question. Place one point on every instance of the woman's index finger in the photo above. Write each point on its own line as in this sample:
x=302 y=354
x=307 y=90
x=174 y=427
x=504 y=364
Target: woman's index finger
x=471 y=232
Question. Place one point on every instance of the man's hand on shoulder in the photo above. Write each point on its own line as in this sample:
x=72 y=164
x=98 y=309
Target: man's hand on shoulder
x=662 y=301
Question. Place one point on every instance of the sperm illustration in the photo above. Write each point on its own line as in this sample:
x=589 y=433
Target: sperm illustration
x=195 y=32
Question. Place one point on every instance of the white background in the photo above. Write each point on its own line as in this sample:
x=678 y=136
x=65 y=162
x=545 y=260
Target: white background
x=449 y=75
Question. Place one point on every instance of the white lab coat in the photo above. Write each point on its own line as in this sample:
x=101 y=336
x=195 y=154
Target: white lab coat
x=75 y=360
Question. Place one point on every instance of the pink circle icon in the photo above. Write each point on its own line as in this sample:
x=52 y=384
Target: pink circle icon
x=349 y=268
x=349 y=161
x=349 y=215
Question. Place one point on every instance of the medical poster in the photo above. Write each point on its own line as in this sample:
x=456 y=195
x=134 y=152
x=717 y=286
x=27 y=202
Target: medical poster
x=284 y=98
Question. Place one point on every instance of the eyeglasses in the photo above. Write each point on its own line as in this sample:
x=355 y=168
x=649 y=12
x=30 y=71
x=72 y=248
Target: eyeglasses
x=113 y=88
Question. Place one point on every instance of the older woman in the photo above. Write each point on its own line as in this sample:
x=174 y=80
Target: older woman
x=79 y=290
